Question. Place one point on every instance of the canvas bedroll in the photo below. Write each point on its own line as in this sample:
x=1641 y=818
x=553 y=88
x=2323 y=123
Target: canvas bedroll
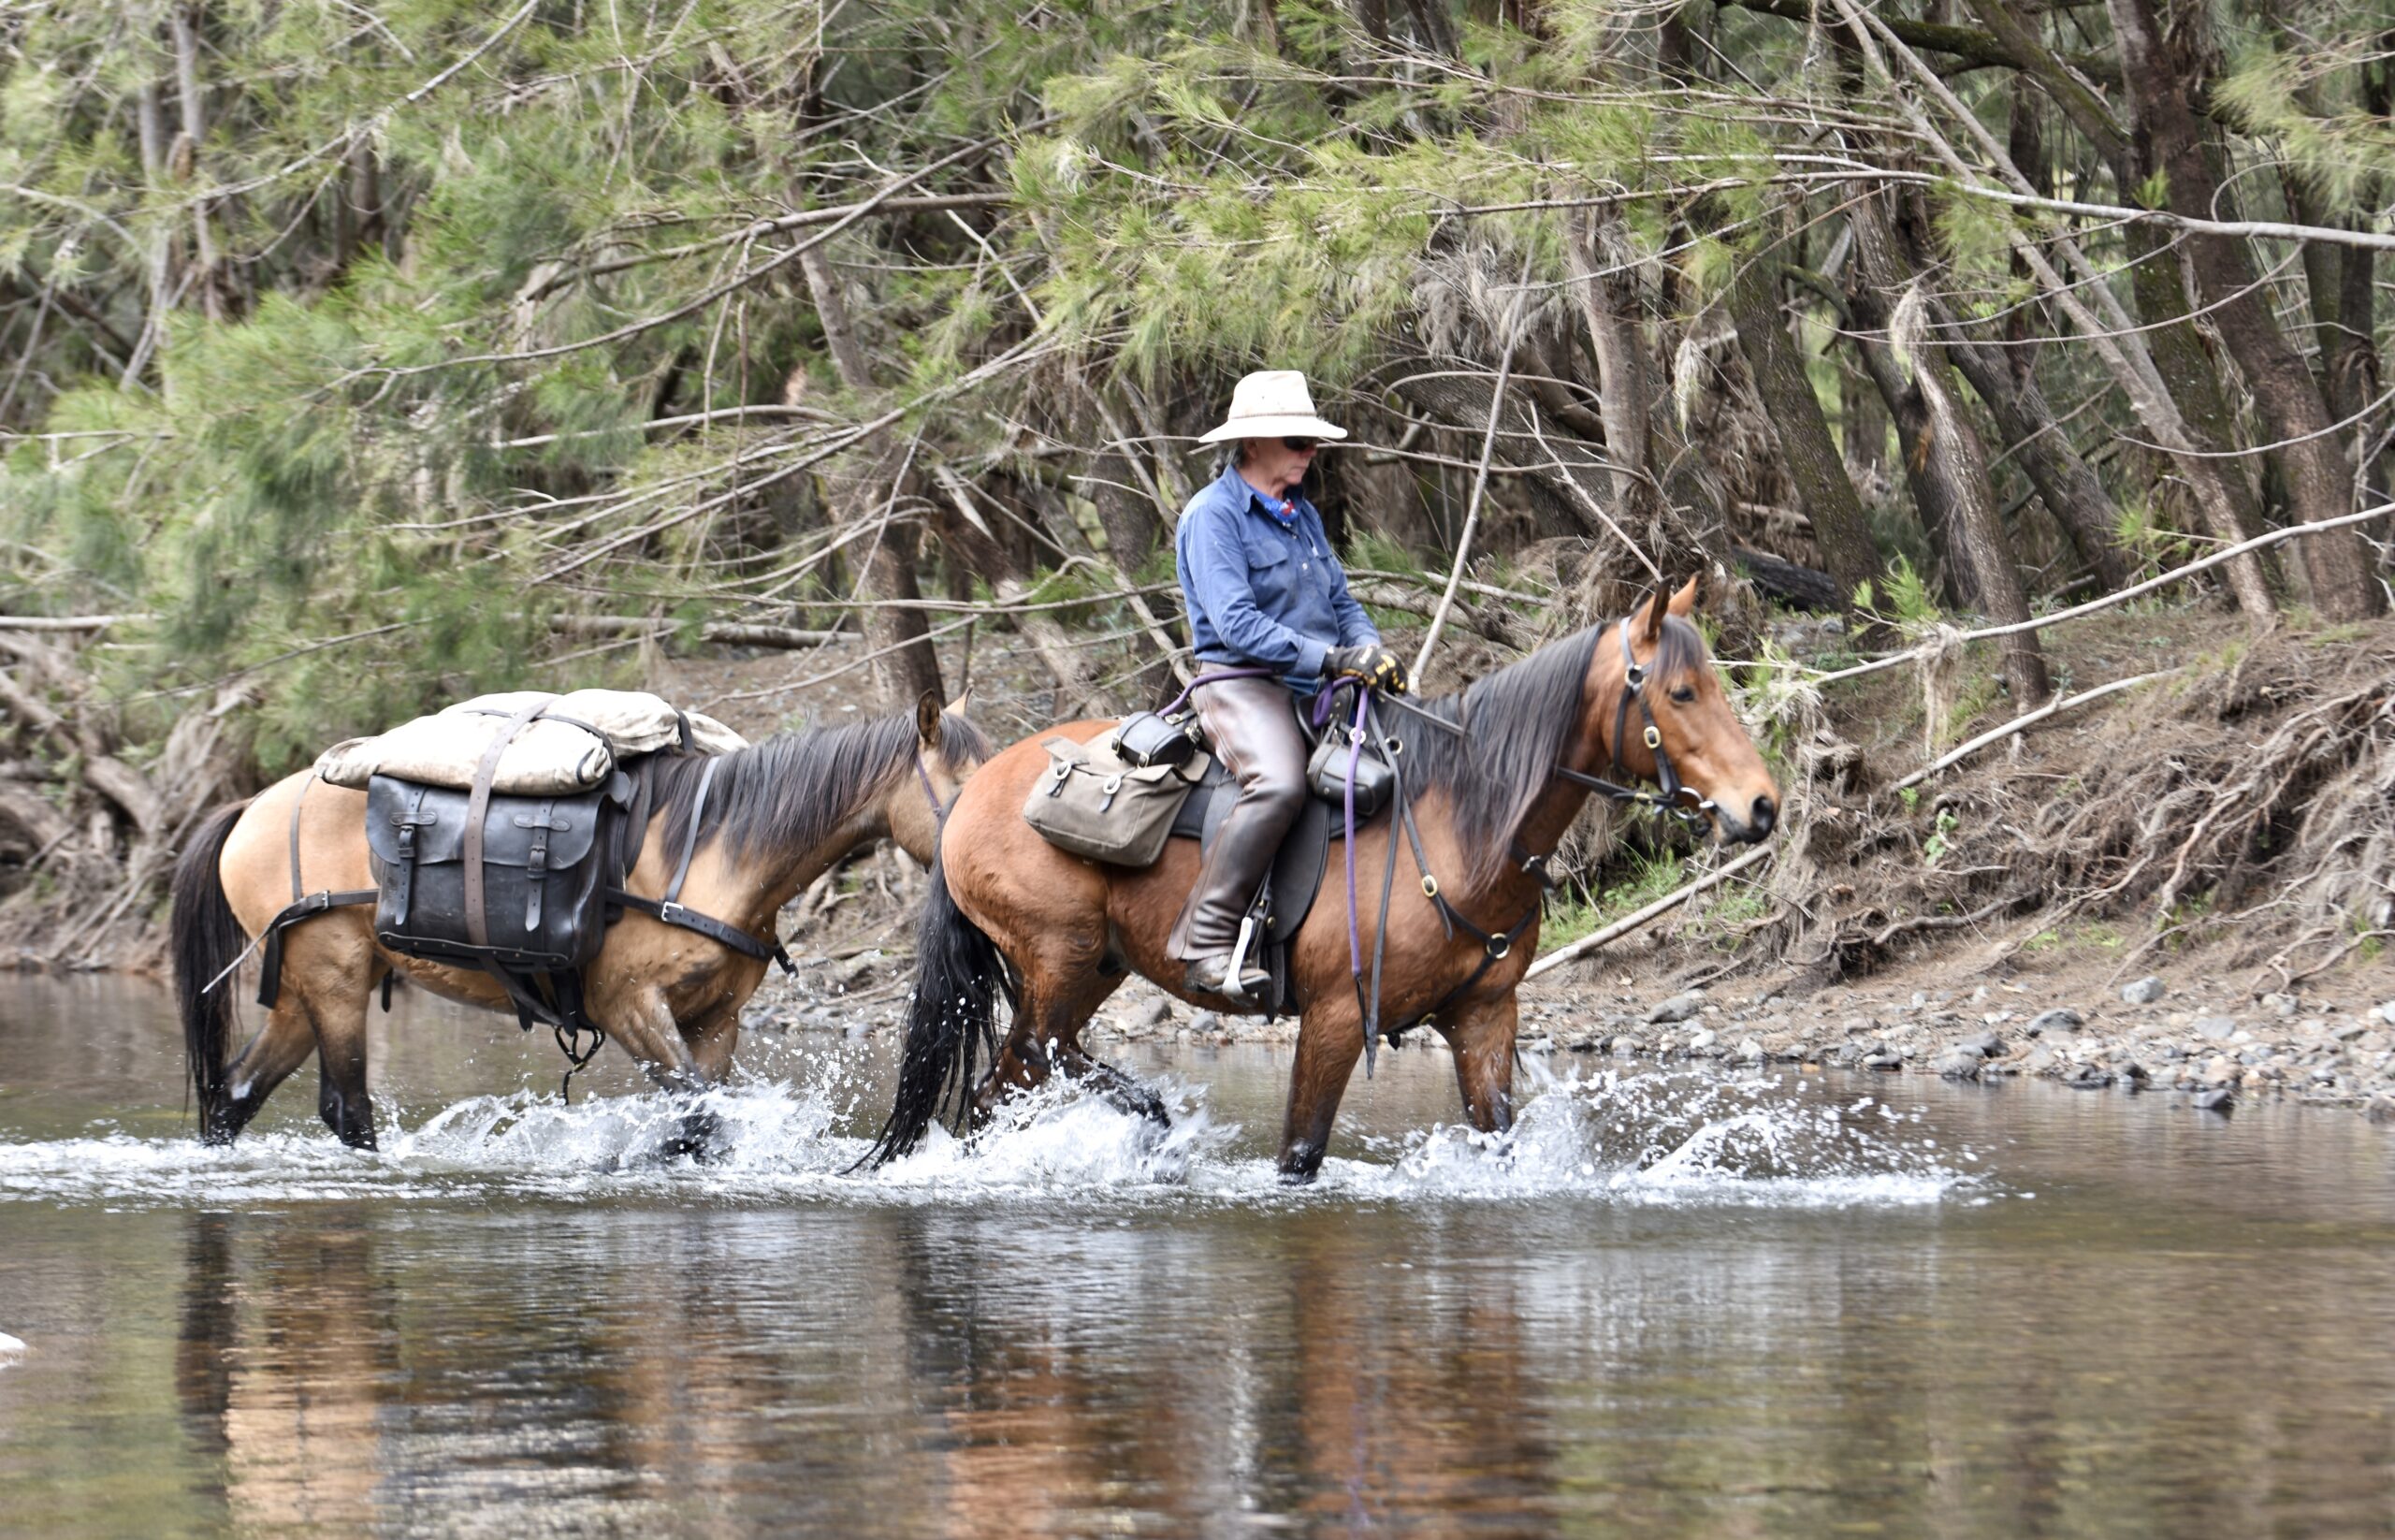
x=570 y=748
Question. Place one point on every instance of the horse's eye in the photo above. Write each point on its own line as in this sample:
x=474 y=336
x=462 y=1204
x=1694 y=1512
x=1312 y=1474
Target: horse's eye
x=1685 y=694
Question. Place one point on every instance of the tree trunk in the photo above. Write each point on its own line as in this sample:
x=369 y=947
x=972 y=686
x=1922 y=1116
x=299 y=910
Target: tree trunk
x=2165 y=75
x=184 y=22
x=1808 y=453
x=2065 y=482
x=1625 y=391
x=905 y=667
x=1947 y=460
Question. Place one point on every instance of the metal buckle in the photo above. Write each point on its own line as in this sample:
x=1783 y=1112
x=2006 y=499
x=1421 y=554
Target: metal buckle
x=671 y=913
x=1654 y=736
x=1497 y=947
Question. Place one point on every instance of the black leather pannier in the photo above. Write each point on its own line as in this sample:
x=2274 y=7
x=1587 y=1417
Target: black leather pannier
x=542 y=883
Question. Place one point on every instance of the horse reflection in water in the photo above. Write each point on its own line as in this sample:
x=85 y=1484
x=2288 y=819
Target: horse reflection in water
x=1497 y=779
x=293 y=1400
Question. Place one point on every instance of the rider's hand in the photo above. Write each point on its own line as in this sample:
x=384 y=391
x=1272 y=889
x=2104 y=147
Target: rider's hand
x=1372 y=664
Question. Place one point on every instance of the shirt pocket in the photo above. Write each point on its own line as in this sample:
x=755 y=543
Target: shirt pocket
x=1271 y=574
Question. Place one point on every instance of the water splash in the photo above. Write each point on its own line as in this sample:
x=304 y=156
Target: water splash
x=1685 y=1138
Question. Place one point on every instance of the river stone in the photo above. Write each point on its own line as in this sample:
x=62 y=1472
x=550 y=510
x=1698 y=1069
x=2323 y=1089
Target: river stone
x=2144 y=991
x=1704 y=1039
x=2217 y=1100
x=2088 y=1077
x=1205 y=1021
x=1957 y=1064
x=2061 y=1018
x=1155 y=1013
x=2218 y=1028
x=1987 y=1045
x=1679 y=1008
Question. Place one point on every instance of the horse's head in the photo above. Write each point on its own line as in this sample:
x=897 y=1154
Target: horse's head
x=948 y=750
x=1668 y=720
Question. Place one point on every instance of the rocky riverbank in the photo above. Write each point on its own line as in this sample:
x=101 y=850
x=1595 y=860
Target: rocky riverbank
x=2183 y=1031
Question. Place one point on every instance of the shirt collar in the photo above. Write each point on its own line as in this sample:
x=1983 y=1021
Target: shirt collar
x=1237 y=486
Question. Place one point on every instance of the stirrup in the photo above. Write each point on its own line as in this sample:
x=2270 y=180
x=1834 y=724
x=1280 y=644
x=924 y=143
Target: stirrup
x=1211 y=975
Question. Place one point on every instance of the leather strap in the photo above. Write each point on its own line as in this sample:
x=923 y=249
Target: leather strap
x=478 y=809
x=690 y=832
x=708 y=926
x=308 y=907
x=297 y=888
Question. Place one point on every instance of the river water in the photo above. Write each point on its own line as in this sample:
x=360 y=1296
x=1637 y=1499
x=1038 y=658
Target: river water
x=1670 y=1304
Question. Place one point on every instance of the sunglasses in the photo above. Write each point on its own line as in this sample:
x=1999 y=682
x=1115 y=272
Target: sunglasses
x=1300 y=445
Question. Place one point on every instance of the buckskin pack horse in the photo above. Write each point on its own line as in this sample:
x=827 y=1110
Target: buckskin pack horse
x=778 y=814
x=1495 y=782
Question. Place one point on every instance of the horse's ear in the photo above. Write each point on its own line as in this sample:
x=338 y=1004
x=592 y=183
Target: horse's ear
x=1650 y=622
x=1684 y=602
x=927 y=718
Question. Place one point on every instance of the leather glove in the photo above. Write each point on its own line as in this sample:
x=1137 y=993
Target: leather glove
x=1372 y=664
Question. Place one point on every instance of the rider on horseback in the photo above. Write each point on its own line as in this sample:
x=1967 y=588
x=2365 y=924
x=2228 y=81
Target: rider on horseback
x=1263 y=588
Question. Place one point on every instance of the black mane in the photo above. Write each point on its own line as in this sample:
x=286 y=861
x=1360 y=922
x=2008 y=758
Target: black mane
x=1517 y=724
x=791 y=791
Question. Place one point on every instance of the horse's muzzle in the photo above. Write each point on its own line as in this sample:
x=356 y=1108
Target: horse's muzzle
x=1763 y=816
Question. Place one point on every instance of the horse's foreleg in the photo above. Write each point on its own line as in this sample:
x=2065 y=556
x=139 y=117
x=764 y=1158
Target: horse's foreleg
x=1330 y=1040
x=643 y=1026
x=1482 y=1038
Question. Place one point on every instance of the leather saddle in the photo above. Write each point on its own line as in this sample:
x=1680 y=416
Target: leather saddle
x=1295 y=878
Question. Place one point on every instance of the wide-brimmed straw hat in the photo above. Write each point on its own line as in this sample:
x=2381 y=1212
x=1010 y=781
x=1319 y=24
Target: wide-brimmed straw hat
x=1272 y=403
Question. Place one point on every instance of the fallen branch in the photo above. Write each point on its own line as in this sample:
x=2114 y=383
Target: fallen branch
x=727 y=632
x=1661 y=906
x=69 y=622
x=2028 y=719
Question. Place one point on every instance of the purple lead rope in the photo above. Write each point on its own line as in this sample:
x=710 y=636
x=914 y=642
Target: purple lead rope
x=1355 y=761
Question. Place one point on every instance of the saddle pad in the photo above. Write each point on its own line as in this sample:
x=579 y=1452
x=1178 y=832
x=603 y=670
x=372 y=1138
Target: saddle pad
x=1297 y=869
x=571 y=749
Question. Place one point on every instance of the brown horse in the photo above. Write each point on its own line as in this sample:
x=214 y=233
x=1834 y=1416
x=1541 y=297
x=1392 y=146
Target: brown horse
x=1492 y=786
x=778 y=815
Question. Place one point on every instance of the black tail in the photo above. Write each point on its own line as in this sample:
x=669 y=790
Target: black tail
x=950 y=1019
x=206 y=939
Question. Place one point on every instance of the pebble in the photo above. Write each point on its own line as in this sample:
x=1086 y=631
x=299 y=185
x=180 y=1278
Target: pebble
x=2218 y=1028
x=2144 y=991
x=2217 y=1100
x=1158 y=1011
x=1679 y=1008
x=1205 y=1021
x=2060 y=1019
x=1704 y=1039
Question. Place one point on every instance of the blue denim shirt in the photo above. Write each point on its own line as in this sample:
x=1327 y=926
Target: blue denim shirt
x=1262 y=589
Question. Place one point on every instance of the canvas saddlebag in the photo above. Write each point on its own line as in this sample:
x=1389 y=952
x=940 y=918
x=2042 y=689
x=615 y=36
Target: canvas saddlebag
x=1092 y=803
x=541 y=881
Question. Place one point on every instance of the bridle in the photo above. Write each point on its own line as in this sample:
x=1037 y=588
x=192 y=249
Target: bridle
x=931 y=792
x=1680 y=801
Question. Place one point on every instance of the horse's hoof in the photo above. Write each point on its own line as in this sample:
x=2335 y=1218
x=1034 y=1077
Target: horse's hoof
x=699 y=1139
x=1299 y=1164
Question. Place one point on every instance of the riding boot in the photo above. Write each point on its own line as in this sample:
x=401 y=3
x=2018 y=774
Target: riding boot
x=1255 y=734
